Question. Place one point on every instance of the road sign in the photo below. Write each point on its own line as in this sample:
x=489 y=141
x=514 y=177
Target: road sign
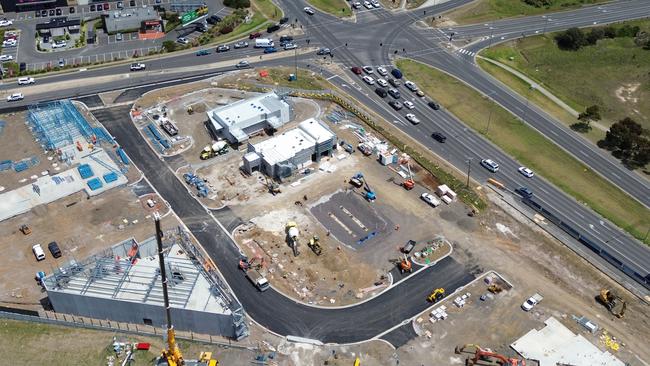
x=193 y=15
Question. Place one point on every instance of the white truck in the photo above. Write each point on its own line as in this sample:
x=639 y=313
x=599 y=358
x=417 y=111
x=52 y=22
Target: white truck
x=257 y=279
x=263 y=43
x=531 y=302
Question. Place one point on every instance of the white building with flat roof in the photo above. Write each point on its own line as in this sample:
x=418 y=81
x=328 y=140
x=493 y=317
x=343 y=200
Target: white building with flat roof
x=281 y=155
x=237 y=121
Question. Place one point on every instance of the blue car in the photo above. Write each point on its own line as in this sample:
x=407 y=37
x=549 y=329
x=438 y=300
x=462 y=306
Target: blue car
x=203 y=52
x=270 y=50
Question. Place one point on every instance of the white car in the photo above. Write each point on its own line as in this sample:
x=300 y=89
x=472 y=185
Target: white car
x=356 y=4
x=242 y=44
x=409 y=105
x=369 y=80
x=368 y=69
x=243 y=64
x=490 y=165
x=309 y=10
x=526 y=172
x=137 y=66
x=367 y=4
x=290 y=46
x=382 y=82
x=412 y=118
x=531 y=302
x=38 y=252
x=382 y=71
x=430 y=199
x=15 y=96
x=6 y=22
x=59 y=44
x=6 y=57
x=9 y=43
x=375 y=3
x=411 y=85
x=26 y=80
x=182 y=40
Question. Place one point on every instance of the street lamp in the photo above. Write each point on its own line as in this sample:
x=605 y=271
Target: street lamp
x=469 y=169
x=491 y=34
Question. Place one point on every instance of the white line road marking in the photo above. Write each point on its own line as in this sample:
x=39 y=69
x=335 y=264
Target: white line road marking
x=578 y=213
x=332 y=77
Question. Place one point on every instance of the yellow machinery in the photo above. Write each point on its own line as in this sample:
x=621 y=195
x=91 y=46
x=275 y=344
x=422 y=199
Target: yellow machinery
x=614 y=303
x=436 y=295
x=172 y=356
x=405 y=265
x=314 y=245
x=495 y=289
x=25 y=230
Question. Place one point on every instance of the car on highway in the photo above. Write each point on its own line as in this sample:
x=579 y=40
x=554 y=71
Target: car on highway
x=273 y=28
x=26 y=80
x=223 y=48
x=410 y=85
x=526 y=172
x=381 y=92
x=412 y=118
x=369 y=80
x=243 y=65
x=394 y=82
x=375 y=3
x=525 y=192
x=382 y=82
x=290 y=46
x=433 y=105
x=270 y=50
x=182 y=40
x=395 y=104
x=286 y=39
x=309 y=10
x=6 y=22
x=241 y=44
x=439 y=136
x=382 y=71
x=15 y=96
x=137 y=66
x=394 y=93
x=61 y=62
x=396 y=73
x=202 y=52
x=419 y=93
x=284 y=20
x=367 y=4
x=6 y=57
x=368 y=69
x=356 y=70
x=254 y=35
x=490 y=165
x=409 y=105
x=324 y=51
x=430 y=199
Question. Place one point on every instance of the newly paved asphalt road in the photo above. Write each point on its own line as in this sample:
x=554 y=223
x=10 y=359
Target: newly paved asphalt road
x=272 y=309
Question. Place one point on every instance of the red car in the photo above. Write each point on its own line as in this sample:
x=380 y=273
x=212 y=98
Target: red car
x=106 y=6
x=255 y=35
x=357 y=70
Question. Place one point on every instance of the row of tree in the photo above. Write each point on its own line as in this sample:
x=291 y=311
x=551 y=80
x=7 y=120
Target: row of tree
x=575 y=38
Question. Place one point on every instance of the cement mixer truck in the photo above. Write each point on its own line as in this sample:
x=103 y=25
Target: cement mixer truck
x=218 y=148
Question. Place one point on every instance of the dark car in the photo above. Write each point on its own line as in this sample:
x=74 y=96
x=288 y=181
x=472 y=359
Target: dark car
x=396 y=105
x=107 y=6
x=120 y=5
x=273 y=28
x=270 y=50
x=54 y=249
x=286 y=39
x=132 y=3
x=394 y=82
x=394 y=93
x=46 y=39
x=323 y=51
x=214 y=19
x=43 y=13
x=58 y=11
x=72 y=10
x=408 y=248
x=200 y=27
x=434 y=105
x=92 y=7
x=37 y=14
x=438 y=136
x=284 y=20
x=381 y=92
x=52 y=12
x=396 y=73
x=22 y=66
x=525 y=192
x=255 y=35
x=357 y=70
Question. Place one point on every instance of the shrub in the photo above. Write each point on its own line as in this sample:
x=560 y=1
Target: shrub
x=237 y=4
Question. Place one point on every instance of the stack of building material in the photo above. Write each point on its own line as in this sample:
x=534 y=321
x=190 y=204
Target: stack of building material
x=446 y=194
x=439 y=314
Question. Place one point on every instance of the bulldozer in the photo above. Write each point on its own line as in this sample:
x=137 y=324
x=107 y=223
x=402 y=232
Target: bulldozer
x=210 y=151
x=314 y=245
x=25 y=229
x=495 y=289
x=614 y=303
x=272 y=186
x=436 y=295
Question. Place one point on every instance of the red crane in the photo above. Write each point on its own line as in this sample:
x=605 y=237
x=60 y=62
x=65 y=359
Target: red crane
x=486 y=355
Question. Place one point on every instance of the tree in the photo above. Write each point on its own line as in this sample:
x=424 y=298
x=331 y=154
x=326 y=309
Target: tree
x=592 y=113
x=571 y=39
x=169 y=46
x=595 y=35
x=237 y=4
x=629 y=142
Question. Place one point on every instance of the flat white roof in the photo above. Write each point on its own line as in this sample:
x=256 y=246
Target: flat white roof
x=285 y=146
x=315 y=129
x=555 y=344
x=246 y=110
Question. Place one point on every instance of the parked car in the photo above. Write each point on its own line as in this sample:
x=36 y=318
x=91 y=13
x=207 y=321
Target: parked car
x=438 y=136
x=241 y=44
x=412 y=118
x=270 y=50
x=395 y=104
x=356 y=70
x=369 y=80
x=223 y=48
x=51 y=12
x=107 y=6
x=132 y=3
x=61 y=62
x=37 y=14
x=243 y=64
x=6 y=57
x=15 y=96
x=490 y=165
x=59 y=44
x=120 y=5
x=46 y=39
x=53 y=247
x=254 y=35
x=9 y=43
x=430 y=199
x=367 y=4
x=25 y=80
x=182 y=40
x=394 y=93
x=526 y=172
x=137 y=66
x=43 y=13
x=381 y=92
x=22 y=66
x=368 y=69
x=356 y=4
x=6 y=22
x=38 y=252
x=72 y=10
x=59 y=11
x=309 y=10
x=119 y=37
x=433 y=105
x=375 y=3
x=531 y=302
x=92 y=7
x=273 y=28
x=408 y=248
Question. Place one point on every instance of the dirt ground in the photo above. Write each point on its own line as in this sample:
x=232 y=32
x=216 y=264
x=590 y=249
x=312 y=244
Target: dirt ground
x=80 y=226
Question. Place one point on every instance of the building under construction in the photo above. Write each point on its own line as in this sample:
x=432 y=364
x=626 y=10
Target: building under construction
x=123 y=284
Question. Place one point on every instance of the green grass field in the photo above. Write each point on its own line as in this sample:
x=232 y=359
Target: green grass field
x=339 y=8
x=307 y=81
x=530 y=148
x=486 y=10
x=268 y=9
x=613 y=73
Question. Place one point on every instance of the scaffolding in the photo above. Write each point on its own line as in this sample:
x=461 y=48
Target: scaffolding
x=58 y=124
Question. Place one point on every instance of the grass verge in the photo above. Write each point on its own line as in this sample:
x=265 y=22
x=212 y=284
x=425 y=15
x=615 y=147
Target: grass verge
x=268 y=9
x=530 y=148
x=307 y=81
x=339 y=8
x=486 y=10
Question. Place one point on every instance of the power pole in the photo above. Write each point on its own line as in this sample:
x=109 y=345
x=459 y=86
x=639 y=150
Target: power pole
x=469 y=169
x=295 y=62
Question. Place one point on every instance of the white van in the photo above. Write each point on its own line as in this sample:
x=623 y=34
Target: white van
x=38 y=252
x=263 y=43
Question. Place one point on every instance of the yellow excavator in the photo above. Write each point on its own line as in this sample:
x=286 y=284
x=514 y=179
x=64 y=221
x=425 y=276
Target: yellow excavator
x=314 y=245
x=172 y=356
x=614 y=303
x=436 y=295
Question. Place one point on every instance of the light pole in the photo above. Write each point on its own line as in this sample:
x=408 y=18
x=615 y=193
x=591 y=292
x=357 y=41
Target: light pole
x=489 y=118
x=491 y=34
x=469 y=169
